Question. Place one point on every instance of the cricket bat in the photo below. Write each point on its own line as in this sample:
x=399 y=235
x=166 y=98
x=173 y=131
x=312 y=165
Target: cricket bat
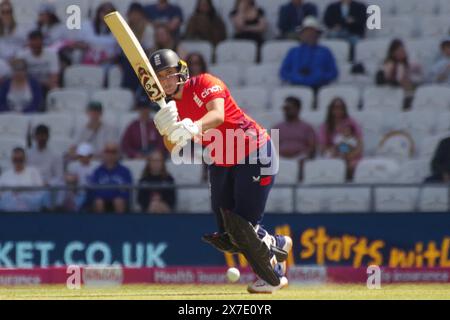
x=136 y=56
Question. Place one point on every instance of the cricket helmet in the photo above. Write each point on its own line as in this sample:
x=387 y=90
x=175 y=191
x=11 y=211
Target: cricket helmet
x=166 y=58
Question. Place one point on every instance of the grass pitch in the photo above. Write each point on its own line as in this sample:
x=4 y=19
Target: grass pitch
x=227 y=292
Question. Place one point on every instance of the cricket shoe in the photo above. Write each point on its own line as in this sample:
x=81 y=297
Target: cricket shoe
x=261 y=286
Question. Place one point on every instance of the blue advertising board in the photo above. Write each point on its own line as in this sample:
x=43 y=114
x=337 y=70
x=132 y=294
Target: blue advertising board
x=137 y=240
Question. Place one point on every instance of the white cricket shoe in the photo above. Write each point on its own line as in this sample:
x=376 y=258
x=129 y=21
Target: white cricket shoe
x=260 y=286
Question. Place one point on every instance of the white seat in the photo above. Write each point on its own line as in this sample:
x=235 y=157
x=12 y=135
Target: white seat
x=306 y=95
x=280 y=200
x=274 y=51
x=387 y=6
x=185 y=173
x=324 y=171
x=268 y=118
x=187 y=6
x=6 y=147
x=314 y=118
x=371 y=50
x=424 y=50
x=203 y=47
x=228 y=73
x=236 y=51
x=396 y=199
x=429 y=145
x=396 y=26
x=417 y=123
x=60 y=145
x=444 y=7
x=433 y=26
x=22 y=13
x=84 y=77
x=264 y=75
x=115 y=77
x=360 y=80
x=310 y=200
x=442 y=123
x=413 y=171
x=136 y=166
x=432 y=97
x=396 y=145
x=373 y=126
x=80 y=120
x=375 y=170
x=339 y=48
x=117 y=100
x=14 y=125
x=60 y=124
x=415 y=7
x=348 y=199
x=288 y=172
x=348 y=93
x=382 y=98
x=251 y=99
x=434 y=199
x=196 y=200
x=67 y=100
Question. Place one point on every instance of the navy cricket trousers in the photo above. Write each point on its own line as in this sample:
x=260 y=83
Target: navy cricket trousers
x=244 y=188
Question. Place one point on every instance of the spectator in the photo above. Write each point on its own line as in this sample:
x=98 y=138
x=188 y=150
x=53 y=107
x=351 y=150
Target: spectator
x=50 y=26
x=346 y=19
x=21 y=175
x=12 y=37
x=206 y=24
x=141 y=136
x=111 y=173
x=48 y=163
x=156 y=200
x=398 y=71
x=96 y=131
x=166 y=14
x=72 y=198
x=309 y=64
x=440 y=165
x=85 y=165
x=43 y=63
x=297 y=137
x=5 y=70
x=340 y=129
x=165 y=40
x=249 y=21
x=20 y=92
x=196 y=63
x=138 y=22
x=291 y=16
x=440 y=71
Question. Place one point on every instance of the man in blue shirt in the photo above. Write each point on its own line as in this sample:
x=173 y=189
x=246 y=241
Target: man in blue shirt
x=291 y=16
x=165 y=13
x=309 y=64
x=111 y=172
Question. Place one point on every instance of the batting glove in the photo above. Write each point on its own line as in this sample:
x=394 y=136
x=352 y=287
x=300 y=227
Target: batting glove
x=183 y=132
x=166 y=118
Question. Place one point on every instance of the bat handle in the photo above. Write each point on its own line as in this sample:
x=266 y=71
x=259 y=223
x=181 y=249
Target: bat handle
x=162 y=103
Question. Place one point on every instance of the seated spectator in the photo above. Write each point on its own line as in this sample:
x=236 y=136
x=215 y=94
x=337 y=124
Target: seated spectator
x=20 y=92
x=340 y=136
x=297 y=137
x=142 y=28
x=5 y=70
x=43 y=63
x=196 y=63
x=440 y=71
x=49 y=163
x=309 y=64
x=50 y=26
x=165 y=40
x=249 y=21
x=291 y=16
x=166 y=14
x=346 y=19
x=72 y=198
x=440 y=165
x=398 y=71
x=96 y=132
x=85 y=165
x=156 y=200
x=12 y=36
x=21 y=175
x=110 y=173
x=206 y=24
x=141 y=136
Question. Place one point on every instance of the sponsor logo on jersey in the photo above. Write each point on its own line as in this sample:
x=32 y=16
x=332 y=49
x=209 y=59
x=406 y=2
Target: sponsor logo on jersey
x=198 y=101
x=211 y=90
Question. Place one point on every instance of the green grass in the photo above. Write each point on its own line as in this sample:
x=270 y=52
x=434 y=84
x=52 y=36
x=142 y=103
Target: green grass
x=229 y=292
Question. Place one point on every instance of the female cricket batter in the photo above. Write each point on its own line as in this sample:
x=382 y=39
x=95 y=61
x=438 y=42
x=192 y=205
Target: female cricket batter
x=239 y=188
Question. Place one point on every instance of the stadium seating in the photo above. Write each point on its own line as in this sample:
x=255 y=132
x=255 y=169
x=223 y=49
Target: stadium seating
x=67 y=100
x=13 y=125
x=280 y=200
x=194 y=200
x=114 y=77
x=339 y=48
x=305 y=94
x=432 y=97
x=396 y=145
x=415 y=7
x=375 y=170
x=398 y=199
x=310 y=200
x=382 y=99
x=434 y=199
x=413 y=171
x=60 y=125
x=84 y=77
x=348 y=93
x=373 y=126
x=116 y=100
x=324 y=171
x=251 y=99
x=6 y=147
x=185 y=173
x=136 y=167
x=348 y=199
x=288 y=172
x=371 y=50
x=236 y=51
x=203 y=47
x=228 y=73
x=274 y=51
x=264 y=75
x=60 y=145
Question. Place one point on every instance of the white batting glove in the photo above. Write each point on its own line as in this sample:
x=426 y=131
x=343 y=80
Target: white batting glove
x=166 y=118
x=183 y=132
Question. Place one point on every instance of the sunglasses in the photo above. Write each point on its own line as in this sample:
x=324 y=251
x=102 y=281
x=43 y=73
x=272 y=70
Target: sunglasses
x=18 y=160
x=111 y=151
